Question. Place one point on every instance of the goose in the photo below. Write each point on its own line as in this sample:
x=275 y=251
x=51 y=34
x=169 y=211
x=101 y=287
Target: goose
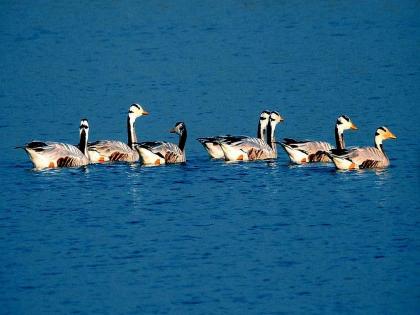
x=50 y=154
x=249 y=149
x=112 y=150
x=212 y=145
x=365 y=157
x=314 y=151
x=159 y=152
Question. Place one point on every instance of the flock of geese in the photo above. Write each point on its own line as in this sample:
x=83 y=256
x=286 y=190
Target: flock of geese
x=231 y=148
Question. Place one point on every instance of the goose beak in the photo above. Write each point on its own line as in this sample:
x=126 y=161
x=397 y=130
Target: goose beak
x=353 y=126
x=145 y=113
x=390 y=135
x=172 y=130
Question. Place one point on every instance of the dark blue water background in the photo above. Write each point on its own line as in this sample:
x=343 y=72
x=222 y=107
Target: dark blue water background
x=209 y=237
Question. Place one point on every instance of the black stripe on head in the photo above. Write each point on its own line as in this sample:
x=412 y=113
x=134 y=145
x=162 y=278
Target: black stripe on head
x=84 y=124
x=266 y=112
x=339 y=122
x=135 y=105
x=376 y=134
x=382 y=128
x=346 y=117
x=275 y=113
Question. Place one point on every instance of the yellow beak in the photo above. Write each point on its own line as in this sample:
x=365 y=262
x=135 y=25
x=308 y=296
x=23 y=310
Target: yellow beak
x=390 y=135
x=145 y=113
x=353 y=126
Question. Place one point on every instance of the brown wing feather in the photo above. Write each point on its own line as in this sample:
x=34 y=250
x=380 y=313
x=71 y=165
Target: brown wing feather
x=367 y=157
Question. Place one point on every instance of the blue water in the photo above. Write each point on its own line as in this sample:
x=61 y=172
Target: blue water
x=209 y=237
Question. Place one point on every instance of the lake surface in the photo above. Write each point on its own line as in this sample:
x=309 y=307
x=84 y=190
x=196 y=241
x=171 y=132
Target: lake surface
x=209 y=237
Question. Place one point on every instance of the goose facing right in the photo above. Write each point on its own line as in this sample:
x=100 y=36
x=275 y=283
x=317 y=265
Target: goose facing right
x=251 y=149
x=212 y=144
x=365 y=157
x=113 y=150
x=50 y=154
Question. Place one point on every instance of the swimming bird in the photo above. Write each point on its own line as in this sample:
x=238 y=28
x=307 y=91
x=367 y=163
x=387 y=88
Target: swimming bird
x=250 y=149
x=212 y=144
x=365 y=157
x=308 y=151
x=50 y=154
x=159 y=152
x=112 y=150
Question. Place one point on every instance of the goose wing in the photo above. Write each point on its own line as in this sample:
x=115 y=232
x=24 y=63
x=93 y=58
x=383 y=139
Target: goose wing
x=166 y=150
x=62 y=153
x=366 y=157
x=307 y=146
x=218 y=139
x=255 y=148
x=112 y=150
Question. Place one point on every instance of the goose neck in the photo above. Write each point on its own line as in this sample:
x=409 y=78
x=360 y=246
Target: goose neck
x=339 y=138
x=270 y=135
x=131 y=132
x=379 y=144
x=182 y=140
x=83 y=142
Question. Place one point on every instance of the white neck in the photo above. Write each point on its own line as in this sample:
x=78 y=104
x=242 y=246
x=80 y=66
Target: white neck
x=378 y=142
x=131 y=131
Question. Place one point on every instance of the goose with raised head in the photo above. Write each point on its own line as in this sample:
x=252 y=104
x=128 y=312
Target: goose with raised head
x=212 y=144
x=112 y=150
x=250 y=149
x=159 y=152
x=364 y=157
x=50 y=154
x=308 y=151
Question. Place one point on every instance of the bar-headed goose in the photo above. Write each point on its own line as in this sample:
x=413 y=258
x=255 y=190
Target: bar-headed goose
x=314 y=151
x=212 y=144
x=159 y=152
x=249 y=149
x=112 y=150
x=56 y=154
x=366 y=157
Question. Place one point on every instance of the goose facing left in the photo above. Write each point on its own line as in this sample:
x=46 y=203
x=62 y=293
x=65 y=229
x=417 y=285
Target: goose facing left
x=50 y=154
x=159 y=152
x=112 y=150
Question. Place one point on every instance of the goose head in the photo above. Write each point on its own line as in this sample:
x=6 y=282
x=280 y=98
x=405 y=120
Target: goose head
x=263 y=123
x=84 y=133
x=179 y=128
x=344 y=123
x=383 y=133
x=136 y=110
x=264 y=118
x=275 y=118
x=84 y=127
